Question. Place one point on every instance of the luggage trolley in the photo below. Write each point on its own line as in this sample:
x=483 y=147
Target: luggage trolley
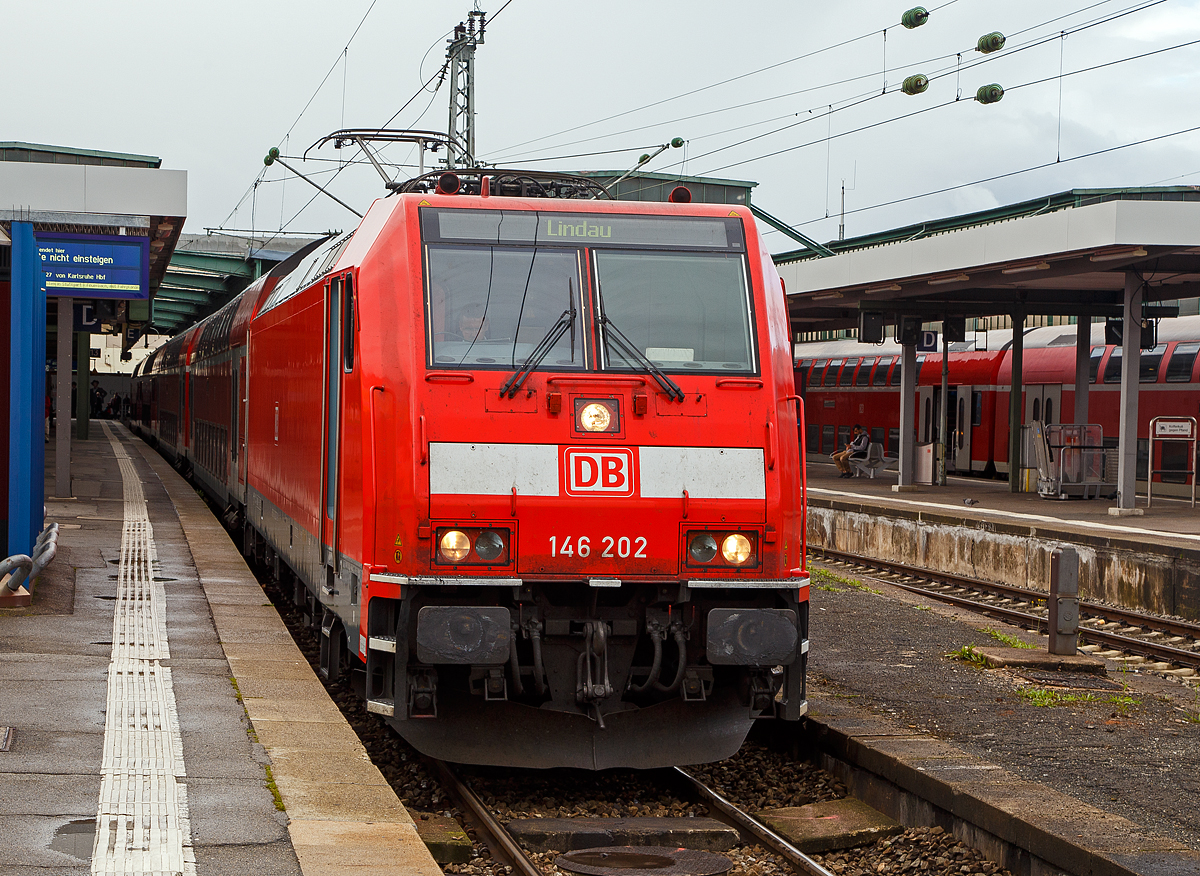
x=1070 y=460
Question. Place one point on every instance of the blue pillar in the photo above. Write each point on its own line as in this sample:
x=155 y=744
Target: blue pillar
x=27 y=389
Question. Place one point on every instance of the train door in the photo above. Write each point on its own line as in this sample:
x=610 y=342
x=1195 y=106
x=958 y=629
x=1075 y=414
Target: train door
x=1043 y=402
x=333 y=408
x=241 y=400
x=963 y=416
x=927 y=415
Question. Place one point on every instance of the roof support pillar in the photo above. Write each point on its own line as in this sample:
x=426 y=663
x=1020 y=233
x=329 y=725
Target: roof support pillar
x=27 y=391
x=1131 y=351
x=62 y=405
x=908 y=413
x=1016 y=407
x=1083 y=352
x=944 y=443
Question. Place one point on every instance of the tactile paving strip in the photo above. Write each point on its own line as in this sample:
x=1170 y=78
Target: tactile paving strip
x=142 y=826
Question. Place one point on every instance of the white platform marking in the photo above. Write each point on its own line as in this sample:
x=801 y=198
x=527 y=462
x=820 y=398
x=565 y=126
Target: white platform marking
x=142 y=826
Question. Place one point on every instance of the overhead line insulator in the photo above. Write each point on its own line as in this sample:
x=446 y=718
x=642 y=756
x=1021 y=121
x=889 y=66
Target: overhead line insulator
x=989 y=93
x=990 y=42
x=915 y=17
x=915 y=84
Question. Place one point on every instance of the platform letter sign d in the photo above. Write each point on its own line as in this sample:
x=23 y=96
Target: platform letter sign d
x=588 y=471
x=928 y=342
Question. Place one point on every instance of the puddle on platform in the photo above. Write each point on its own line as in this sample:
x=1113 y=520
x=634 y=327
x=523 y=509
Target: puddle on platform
x=75 y=838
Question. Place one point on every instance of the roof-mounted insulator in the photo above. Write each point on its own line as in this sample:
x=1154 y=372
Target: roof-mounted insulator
x=915 y=17
x=272 y=154
x=990 y=42
x=989 y=93
x=915 y=84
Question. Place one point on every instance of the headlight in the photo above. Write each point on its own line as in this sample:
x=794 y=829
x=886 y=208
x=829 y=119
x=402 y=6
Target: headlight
x=489 y=545
x=735 y=549
x=454 y=546
x=595 y=417
x=703 y=548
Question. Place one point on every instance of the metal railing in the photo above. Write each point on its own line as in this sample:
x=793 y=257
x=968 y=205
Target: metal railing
x=19 y=568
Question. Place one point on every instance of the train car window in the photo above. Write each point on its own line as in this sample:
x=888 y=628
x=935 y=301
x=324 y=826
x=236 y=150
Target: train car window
x=843 y=437
x=684 y=311
x=878 y=435
x=1094 y=363
x=814 y=375
x=864 y=373
x=348 y=324
x=917 y=376
x=1179 y=366
x=893 y=443
x=831 y=373
x=1112 y=371
x=828 y=443
x=976 y=408
x=1148 y=364
x=897 y=368
x=847 y=378
x=491 y=306
x=812 y=441
x=1037 y=409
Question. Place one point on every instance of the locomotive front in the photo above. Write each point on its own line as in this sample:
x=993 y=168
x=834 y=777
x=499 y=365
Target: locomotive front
x=593 y=556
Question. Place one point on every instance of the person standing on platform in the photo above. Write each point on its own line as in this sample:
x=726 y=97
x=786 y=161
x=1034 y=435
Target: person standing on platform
x=856 y=449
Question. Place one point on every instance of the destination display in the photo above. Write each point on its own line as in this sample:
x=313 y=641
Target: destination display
x=95 y=266
x=586 y=229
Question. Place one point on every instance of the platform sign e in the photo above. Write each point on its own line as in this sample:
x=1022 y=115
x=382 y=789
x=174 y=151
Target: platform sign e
x=94 y=265
x=928 y=342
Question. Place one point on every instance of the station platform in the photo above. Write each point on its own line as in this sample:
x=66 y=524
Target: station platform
x=1090 y=772
x=155 y=714
x=976 y=527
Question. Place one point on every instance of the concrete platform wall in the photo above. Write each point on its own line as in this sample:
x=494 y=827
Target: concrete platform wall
x=1120 y=571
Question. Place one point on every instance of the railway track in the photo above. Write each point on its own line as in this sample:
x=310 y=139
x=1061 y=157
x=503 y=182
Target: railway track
x=505 y=847
x=1165 y=645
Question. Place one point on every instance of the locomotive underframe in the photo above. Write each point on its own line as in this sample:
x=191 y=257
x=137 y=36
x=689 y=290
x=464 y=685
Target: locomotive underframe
x=588 y=656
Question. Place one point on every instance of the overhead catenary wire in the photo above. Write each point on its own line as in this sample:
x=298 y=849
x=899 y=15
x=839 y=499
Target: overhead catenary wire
x=863 y=97
x=867 y=97
x=768 y=68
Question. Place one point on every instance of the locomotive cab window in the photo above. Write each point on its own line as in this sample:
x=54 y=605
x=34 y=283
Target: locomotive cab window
x=492 y=306
x=682 y=310
x=504 y=287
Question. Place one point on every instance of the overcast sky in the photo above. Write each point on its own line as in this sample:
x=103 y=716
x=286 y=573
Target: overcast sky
x=211 y=86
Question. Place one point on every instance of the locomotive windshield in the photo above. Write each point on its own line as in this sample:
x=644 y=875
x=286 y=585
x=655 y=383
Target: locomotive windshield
x=500 y=282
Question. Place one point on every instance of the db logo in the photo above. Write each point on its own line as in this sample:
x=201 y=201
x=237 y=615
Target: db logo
x=590 y=471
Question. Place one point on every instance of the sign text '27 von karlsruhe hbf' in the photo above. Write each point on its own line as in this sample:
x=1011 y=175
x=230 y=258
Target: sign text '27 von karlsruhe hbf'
x=95 y=266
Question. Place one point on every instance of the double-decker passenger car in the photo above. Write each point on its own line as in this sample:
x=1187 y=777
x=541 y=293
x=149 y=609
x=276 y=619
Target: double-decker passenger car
x=531 y=461
x=845 y=382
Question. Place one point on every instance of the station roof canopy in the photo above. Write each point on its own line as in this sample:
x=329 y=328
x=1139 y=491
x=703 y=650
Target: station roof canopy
x=1065 y=255
x=87 y=191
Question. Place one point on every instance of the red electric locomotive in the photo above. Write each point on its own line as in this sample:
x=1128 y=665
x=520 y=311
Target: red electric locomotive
x=531 y=462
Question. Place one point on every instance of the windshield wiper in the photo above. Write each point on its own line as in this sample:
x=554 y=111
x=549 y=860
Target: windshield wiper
x=631 y=352
x=565 y=322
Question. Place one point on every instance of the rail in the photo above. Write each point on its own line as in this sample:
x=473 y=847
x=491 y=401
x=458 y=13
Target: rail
x=1140 y=647
x=748 y=824
x=494 y=835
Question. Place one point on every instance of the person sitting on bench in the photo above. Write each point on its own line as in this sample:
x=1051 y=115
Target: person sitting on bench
x=856 y=449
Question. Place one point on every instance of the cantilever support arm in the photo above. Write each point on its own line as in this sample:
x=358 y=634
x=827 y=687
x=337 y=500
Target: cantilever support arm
x=273 y=157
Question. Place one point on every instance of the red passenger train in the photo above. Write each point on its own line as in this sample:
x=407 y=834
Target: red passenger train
x=530 y=461
x=844 y=382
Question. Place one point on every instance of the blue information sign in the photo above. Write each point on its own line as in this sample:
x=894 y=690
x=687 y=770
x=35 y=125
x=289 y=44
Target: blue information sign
x=95 y=266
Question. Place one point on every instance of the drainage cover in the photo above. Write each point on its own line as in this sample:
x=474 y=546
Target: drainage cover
x=643 y=861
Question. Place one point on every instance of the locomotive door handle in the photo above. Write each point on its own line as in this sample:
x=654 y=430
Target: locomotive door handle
x=424 y=441
x=770 y=446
